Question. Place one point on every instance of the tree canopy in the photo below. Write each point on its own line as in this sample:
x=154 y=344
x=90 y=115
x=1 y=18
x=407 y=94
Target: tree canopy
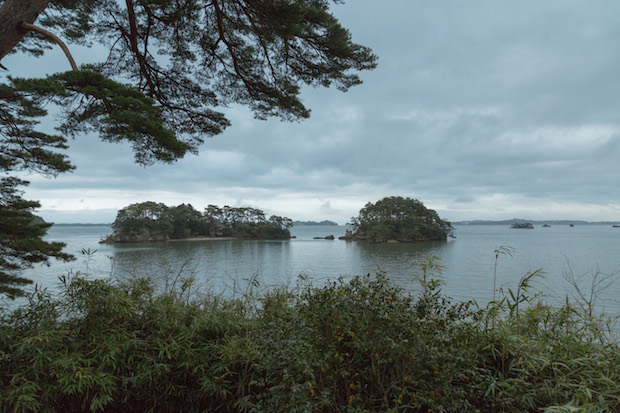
x=400 y=219
x=168 y=69
x=170 y=64
x=151 y=221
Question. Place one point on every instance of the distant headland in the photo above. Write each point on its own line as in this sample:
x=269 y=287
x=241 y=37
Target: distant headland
x=313 y=223
x=82 y=224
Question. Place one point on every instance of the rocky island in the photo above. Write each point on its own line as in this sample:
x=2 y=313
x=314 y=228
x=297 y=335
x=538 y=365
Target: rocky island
x=398 y=219
x=151 y=221
x=524 y=225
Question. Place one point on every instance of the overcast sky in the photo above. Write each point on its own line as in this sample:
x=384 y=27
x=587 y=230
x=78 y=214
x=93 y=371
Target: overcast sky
x=479 y=109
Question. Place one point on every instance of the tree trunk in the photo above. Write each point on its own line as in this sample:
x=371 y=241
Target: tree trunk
x=12 y=14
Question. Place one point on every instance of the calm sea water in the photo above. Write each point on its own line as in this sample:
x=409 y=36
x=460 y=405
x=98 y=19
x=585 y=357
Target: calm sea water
x=468 y=260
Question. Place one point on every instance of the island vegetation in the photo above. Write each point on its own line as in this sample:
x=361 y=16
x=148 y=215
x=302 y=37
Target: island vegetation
x=522 y=225
x=152 y=221
x=398 y=219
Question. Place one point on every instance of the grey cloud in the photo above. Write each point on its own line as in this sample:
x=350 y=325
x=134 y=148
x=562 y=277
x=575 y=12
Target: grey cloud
x=474 y=106
x=464 y=199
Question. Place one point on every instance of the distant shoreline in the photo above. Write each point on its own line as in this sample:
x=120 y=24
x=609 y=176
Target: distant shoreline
x=81 y=225
x=466 y=222
x=533 y=222
x=314 y=223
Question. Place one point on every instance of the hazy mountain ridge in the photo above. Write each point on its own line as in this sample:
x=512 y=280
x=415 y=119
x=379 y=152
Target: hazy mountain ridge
x=313 y=223
x=466 y=222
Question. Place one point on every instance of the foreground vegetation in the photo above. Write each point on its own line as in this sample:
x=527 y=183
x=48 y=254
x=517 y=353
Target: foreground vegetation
x=357 y=346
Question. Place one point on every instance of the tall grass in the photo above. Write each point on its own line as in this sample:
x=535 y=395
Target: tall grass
x=362 y=345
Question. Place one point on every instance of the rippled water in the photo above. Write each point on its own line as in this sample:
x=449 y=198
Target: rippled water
x=468 y=260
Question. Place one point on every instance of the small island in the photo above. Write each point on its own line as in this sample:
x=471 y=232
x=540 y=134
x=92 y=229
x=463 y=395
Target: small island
x=398 y=219
x=524 y=225
x=151 y=221
x=327 y=237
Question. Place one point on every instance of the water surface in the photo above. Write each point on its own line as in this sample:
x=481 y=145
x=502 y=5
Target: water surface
x=468 y=260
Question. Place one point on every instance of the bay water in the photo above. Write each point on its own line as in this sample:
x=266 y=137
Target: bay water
x=468 y=262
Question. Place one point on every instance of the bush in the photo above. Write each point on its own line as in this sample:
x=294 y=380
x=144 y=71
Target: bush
x=359 y=346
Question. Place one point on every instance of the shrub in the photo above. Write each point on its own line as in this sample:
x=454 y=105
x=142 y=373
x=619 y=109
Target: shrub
x=362 y=345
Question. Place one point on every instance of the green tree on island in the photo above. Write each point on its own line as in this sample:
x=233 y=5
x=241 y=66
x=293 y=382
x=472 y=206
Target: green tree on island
x=168 y=67
x=400 y=219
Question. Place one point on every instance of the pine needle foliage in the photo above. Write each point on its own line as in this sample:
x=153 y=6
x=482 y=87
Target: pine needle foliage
x=118 y=113
x=21 y=243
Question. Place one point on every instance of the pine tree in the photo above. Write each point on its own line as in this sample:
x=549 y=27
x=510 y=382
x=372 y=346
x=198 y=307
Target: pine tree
x=21 y=243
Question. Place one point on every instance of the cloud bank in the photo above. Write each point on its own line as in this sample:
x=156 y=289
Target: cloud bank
x=483 y=110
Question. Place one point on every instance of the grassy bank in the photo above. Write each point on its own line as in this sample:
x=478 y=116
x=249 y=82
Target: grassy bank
x=357 y=346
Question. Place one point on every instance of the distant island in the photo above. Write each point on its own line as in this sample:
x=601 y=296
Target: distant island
x=549 y=222
x=525 y=225
x=151 y=221
x=313 y=223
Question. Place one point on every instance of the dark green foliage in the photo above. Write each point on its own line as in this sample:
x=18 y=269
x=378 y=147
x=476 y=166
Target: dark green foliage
x=401 y=219
x=120 y=348
x=251 y=223
x=21 y=243
x=117 y=112
x=358 y=346
x=150 y=221
x=185 y=221
x=21 y=147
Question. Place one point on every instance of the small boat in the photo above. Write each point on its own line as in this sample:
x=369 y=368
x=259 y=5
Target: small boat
x=546 y=226
x=571 y=225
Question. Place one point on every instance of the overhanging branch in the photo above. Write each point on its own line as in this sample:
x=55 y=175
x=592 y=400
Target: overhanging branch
x=54 y=38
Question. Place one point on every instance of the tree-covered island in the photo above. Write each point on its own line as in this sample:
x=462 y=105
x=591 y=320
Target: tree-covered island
x=152 y=221
x=398 y=219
